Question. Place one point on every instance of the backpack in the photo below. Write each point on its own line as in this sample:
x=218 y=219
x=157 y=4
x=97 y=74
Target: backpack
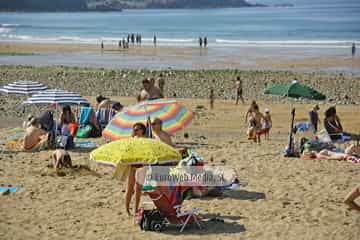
x=150 y=220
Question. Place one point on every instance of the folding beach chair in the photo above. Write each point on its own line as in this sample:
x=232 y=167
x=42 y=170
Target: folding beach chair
x=103 y=117
x=170 y=211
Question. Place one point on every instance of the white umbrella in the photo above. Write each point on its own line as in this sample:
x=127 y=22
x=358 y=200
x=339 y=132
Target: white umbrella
x=23 y=87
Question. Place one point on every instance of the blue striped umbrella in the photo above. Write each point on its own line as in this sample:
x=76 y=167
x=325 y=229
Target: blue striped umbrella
x=23 y=87
x=56 y=96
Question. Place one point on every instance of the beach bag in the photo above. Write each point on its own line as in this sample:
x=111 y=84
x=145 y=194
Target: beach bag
x=85 y=131
x=150 y=220
x=67 y=142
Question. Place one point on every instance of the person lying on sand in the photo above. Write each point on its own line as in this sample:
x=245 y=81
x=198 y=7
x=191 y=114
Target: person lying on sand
x=350 y=155
x=35 y=139
x=351 y=197
x=160 y=134
x=61 y=158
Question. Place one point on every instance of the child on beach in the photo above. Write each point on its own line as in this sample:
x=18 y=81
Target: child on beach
x=61 y=158
x=267 y=124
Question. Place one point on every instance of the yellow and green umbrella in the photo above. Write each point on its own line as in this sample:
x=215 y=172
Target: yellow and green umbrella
x=134 y=151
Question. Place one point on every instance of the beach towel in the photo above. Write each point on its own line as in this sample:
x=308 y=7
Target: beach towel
x=85 y=114
x=303 y=126
x=11 y=189
x=86 y=144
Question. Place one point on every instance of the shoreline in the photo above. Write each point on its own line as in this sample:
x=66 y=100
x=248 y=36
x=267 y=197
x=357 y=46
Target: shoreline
x=175 y=57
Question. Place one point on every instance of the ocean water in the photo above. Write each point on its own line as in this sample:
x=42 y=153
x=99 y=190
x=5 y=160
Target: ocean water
x=335 y=24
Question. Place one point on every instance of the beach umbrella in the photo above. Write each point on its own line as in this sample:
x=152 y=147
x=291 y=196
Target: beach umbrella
x=134 y=151
x=57 y=97
x=23 y=87
x=294 y=90
x=173 y=115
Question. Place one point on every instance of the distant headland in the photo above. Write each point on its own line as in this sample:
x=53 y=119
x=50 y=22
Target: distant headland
x=115 y=5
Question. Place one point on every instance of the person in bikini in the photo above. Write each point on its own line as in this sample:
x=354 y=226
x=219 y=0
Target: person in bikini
x=258 y=119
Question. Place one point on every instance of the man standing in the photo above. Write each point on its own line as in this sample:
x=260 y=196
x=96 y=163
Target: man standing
x=314 y=118
x=353 y=50
x=155 y=40
x=238 y=86
x=161 y=83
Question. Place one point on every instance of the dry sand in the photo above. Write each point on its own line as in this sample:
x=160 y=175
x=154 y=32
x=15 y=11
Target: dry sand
x=286 y=198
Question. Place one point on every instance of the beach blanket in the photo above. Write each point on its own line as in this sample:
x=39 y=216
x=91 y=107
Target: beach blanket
x=86 y=144
x=11 y=189
x=303 y=126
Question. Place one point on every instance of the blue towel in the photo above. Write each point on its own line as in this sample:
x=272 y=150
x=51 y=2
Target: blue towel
x=11 y=189
x=303 y=126
x=85 y=113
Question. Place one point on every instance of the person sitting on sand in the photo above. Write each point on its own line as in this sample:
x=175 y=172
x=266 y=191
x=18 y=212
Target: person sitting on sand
x=35 y=139
x=249 y=111
x=334 y=128
x=351 y=197
x=67 y=116
x=149 y=91
x=267 y=124
x=61 y=158
x=117 y=107
x=160 y=134
x=139 y=130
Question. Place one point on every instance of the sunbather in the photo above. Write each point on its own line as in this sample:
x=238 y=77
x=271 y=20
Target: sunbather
x=139 y=130
x=103 y=102
x=350 y=199
x=329 y=155
x=35 y=139
x=334 y=128
x=160 y=134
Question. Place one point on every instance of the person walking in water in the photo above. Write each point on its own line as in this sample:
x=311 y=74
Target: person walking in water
x=102 y=45
x=200 y=42
x=353 y=50
x=155 y=40
x=205 y=42
x=239 y=90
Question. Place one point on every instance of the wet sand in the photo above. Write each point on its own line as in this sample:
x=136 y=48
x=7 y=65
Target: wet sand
x=164 y=57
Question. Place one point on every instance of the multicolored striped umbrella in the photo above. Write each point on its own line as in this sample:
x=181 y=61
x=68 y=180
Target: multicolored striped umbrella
x=173 y=115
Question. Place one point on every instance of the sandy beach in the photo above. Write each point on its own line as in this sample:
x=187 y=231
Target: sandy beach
x=286 y=198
